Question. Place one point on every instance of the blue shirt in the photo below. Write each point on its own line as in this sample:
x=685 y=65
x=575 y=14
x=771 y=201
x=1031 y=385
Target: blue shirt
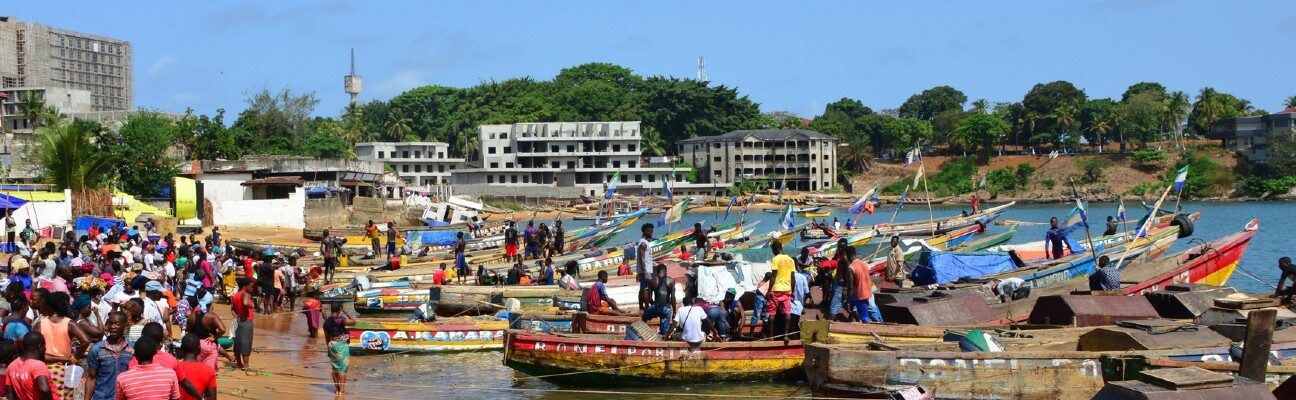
x=800 y=286
x=1053 y=240
x=107 y=365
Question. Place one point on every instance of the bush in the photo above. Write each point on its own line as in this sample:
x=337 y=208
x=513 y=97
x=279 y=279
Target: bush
x=745 y=187
x=1024 y=173
x=1009 y=179
x=954 y=177
x=1256 y=186
x=690 y=173
x=1206 y=178
x=1049 y=184
x=1148 y=160
x=895 y=188
x=1091 y=168
x=1145 y=188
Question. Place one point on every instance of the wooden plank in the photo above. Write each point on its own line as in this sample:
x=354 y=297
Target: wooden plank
x=1187 y=378
x=1255 y=352
x=1246 y=304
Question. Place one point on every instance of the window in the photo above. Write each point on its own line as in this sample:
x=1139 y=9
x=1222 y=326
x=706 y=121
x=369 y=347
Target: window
x=501 y=178
x=736 y=157
x=715 y=145
x=513 y=178
x=717 y=173
x=490 y=150
x=553 y=148
x=630 y=147
x=625 y=178
x=652 y=178
x=504 y=135
x=571 y=148
x=632 y=163
x=418 y=168
x=616 y=164
x=490 y=178
x=494 y=165
x=492 y=136
x=813 y=156
x=616 y=147
x=405 y=168
x=405 y=154
x=638 y=178
x=526 y=178
x=441 y=168
x=571 y=164
x=507 y=149
x=717 y=158
x=508 y=165
x=418 y=154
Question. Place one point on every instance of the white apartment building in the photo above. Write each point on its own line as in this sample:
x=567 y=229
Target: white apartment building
x=422 y=164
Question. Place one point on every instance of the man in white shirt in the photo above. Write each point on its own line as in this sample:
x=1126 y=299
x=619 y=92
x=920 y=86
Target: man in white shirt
x=690 y=320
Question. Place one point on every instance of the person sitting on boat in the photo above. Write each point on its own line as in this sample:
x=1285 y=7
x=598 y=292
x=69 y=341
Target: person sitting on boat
x=684 y=254
x=598 y=302
x=423 y=313
x=1111 y=226
x=1009 y=289
x=733 y=312
x=515 y=274
x=568 y=279
x=758 y=305
x=1105 y=278
x=700 y=241
x=546 y=272
x=438 y=276
x=1288 y=272
x=694 y=324
x=662 y=288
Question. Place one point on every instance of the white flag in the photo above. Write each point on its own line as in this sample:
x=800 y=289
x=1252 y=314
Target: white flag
x=918 y=176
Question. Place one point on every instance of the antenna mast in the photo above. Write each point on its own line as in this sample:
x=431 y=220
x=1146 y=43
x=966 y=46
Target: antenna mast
x=701 y=72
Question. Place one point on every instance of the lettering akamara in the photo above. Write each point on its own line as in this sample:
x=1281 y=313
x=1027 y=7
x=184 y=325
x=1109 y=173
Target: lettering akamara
x=613 y=350
x=441 y=336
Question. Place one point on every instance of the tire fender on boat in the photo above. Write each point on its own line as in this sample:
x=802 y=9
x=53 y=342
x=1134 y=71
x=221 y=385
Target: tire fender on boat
x=1185 y=225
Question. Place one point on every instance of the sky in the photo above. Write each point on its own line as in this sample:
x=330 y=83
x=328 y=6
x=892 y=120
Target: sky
x=786 y=56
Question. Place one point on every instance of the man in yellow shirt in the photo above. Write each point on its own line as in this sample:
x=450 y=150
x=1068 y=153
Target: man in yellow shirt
x=779 y=301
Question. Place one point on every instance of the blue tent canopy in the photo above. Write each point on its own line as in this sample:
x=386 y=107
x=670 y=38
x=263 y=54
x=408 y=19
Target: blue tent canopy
x=11 y=202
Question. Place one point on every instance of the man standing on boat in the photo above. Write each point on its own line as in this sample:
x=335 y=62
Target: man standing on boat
x=1054 y=239
x=643 y=264
x=461 y=263
x=529 y=236
x=860 y=289
x=895 y=263
x=700 y=240
x=663 y=304
x=330 y=261
x=511 y=242
x=779 y=300
x=391 y=238
x=558 y=236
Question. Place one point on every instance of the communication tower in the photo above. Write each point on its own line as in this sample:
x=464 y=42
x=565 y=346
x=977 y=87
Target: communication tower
x=351 y=83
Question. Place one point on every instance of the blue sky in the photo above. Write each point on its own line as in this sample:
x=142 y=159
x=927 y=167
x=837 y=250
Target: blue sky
x=793 y=56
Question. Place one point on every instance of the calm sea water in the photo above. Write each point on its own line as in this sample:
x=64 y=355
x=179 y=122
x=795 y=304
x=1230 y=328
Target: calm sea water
x=482 y=375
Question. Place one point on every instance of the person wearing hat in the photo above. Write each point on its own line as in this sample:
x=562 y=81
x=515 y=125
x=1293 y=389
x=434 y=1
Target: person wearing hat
x=155 y=308
x=733 y=311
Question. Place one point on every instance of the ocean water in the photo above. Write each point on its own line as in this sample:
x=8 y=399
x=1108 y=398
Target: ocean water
x=482 y=375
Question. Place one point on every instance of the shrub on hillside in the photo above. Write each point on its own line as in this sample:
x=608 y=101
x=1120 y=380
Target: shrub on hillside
x=1091 y=168
x=1049 y=184
x=1009 y=179
x=1206 y=178
x=1148 y=160
x=1256 y=186
x=1145 y=188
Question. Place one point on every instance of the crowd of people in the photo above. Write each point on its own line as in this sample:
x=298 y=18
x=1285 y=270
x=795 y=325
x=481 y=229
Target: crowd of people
x=98 y=315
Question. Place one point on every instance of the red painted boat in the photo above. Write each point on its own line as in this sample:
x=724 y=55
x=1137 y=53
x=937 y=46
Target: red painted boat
x=1210 y=263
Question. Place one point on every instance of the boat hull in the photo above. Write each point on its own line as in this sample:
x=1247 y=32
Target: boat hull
x=599 y=362
x=428 y=337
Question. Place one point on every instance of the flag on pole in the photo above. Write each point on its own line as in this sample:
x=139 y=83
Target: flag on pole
x=903 y=196
x=612 y=185
x=1078 y=219
x=666 y=190
x=675 y=213
x=913 y=156
x=782 y=186
x=788 y=222
x=862 y=204
x=918 y=176
x=732 y=201
x=1120 y=211
x=1180 y=179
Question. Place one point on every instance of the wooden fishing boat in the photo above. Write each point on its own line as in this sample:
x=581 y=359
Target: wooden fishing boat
x=456 y=300
x=600 y=360
x=944 y=224
x=659 y=248
x=797 y=210
x=443 y=335
x=1035 y=250
x=783 y=236
x=915 y=200
x=1062 y=375
x=985 y=242
x=816 y=214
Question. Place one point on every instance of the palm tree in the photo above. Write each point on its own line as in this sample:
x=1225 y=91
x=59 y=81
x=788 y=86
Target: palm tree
x=1029 y=120
x=398 y=128
x=1065 y=117
x=1100 y=128
x=32 y=107
x=652 y=142
x=980 y=105
x=352 y=126
x=1290 y=103
x=469 y=143
x=1177 y=108
x=69 y=159
x=51 y=116
x=1117 y=121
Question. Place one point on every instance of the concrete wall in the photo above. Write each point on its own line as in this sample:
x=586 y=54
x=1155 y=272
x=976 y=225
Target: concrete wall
x=364 y=209
x=283 y=213
x=517 y=191
x=225 y=187
x=326 y=213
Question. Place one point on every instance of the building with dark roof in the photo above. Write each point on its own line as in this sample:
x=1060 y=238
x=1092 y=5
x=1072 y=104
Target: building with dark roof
x=1249 y=136
x=805 y=159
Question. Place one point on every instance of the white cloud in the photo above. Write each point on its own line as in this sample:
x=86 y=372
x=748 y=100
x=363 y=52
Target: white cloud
x=164 y=64
x=395 y=84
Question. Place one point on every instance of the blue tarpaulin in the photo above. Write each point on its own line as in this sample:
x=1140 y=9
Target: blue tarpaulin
x=83 y=223
x=11 y=202
x=941 y=267
x=431 y=238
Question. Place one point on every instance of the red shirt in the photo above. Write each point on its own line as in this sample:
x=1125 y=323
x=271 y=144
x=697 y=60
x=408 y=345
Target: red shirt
x=247 y=267
x=438 y=277
x=148 y=382
x=22 y=378
x=200 y=375
x=240 y=309
x=161 y=358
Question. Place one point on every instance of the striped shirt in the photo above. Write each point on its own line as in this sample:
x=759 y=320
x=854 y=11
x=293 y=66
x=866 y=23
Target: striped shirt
x=148 y=382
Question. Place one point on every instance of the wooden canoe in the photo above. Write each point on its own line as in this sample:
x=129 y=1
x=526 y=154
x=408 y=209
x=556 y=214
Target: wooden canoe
x=1043 y=375
x=450 y=334
x=600 y=360
x=1035 y=250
